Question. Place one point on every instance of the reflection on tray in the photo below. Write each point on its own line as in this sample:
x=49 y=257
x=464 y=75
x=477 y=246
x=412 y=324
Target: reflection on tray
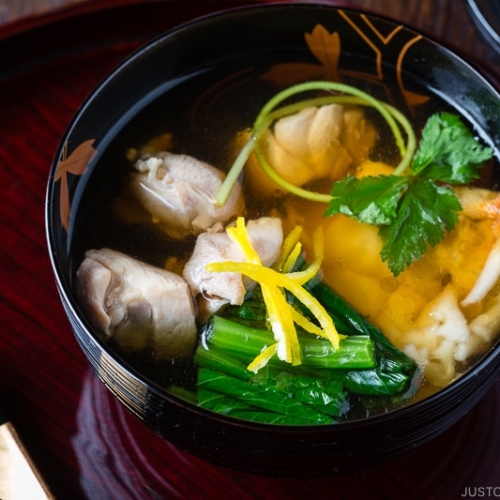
x=120 y=458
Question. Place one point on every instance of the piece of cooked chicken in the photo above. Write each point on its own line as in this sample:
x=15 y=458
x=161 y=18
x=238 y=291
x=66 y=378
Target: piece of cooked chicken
x=314 y=143
x=138 y=304
x=217 y=289
x=179 y=192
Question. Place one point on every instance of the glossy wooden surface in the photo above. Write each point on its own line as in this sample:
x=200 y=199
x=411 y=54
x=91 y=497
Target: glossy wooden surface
x=83 y=442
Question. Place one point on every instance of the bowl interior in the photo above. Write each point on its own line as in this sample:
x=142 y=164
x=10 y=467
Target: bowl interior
x=204 y=82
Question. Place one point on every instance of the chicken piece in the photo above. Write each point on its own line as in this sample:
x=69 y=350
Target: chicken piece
x=290 y=167
x=358 y=135
x=315 y=143
x=137 y=304
x=179 y=192
x=310 y=132
x=266 y=236
x=311 y=136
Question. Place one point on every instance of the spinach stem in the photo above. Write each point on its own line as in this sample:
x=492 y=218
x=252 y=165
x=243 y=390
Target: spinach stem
x=244 y=343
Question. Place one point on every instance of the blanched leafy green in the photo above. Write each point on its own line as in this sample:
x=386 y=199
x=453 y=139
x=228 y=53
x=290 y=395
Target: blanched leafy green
x=260 y=396
x=315 y=392
x=352 y=322
x=244 y=342
x=228 y=405
x=375 y=382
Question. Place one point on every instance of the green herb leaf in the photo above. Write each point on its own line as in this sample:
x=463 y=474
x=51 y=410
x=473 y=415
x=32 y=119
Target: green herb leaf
x=425 y=212
x=448 y=152
x=416 y=210
x=372 y=200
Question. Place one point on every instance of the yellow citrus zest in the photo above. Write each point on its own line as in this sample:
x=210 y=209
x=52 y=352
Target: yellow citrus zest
x=282 y=316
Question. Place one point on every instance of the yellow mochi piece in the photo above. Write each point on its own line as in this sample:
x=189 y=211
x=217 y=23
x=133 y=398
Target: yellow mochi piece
x=399 y=306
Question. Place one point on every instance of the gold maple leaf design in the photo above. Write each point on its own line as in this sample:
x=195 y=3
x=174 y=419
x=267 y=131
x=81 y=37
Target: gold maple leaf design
x=324 y=46
x=73 y=164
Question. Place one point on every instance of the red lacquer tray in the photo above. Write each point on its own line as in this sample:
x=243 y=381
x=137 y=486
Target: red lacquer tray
x=81 y=439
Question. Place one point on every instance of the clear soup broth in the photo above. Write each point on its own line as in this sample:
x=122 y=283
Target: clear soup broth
x=201 y=115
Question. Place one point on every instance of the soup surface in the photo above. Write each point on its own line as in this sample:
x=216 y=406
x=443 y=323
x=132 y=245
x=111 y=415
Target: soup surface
x=423 y=311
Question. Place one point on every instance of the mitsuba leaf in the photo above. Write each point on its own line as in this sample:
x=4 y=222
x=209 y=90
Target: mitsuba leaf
x=371 y=200
x=448 y=152
x=424 y=214
x=415 y=210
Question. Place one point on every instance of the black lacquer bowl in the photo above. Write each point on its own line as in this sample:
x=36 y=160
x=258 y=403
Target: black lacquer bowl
x=185 y=75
